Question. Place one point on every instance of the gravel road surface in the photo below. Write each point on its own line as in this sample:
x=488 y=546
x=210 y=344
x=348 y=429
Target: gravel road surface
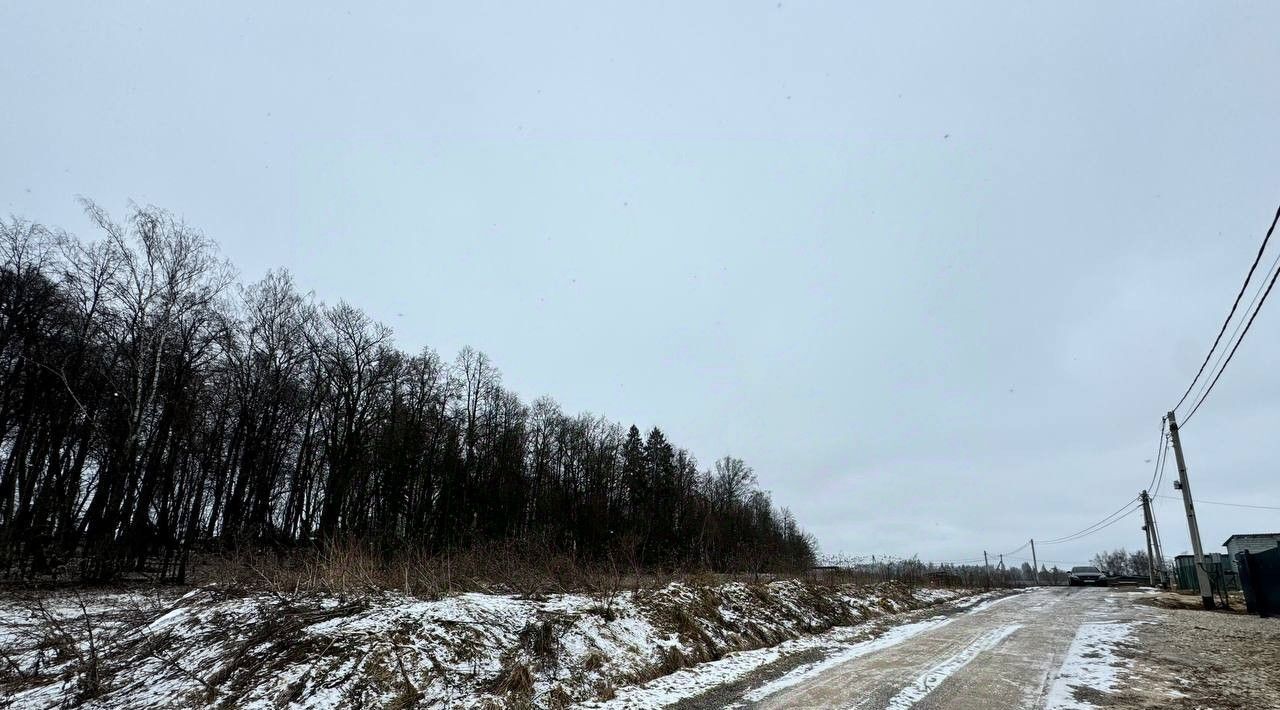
x=1046 y=648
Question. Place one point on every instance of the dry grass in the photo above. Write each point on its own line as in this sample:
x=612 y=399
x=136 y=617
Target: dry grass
x=515 y=680
x=558 y=698
x=695 y=612
x=525 y=568
x=353 y=569
x=594 y=661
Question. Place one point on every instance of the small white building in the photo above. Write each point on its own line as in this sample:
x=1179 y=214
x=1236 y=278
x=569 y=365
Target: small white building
x=1253 y=542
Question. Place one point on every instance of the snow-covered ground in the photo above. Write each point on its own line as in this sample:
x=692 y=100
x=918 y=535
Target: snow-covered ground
x=1091 y=662
x=837 y=646
x=624 y=649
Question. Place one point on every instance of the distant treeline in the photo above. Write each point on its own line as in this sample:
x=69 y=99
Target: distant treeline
x=152 y=407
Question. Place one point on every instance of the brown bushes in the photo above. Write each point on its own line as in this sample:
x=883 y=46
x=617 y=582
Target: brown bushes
x=516 y=679
x=351 y=568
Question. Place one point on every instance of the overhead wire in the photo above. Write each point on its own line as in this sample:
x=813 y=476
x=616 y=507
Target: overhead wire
x=1039 y=561
x=1164 y=462
x=1232 y=505
x=1232 y=312
x=1236 y=347
x=1124 y=511
x=1159 y=453
x=1137 y=505
x=1239 y=324
x=1092 y=528
x=1024 y=546
x=1129 y=508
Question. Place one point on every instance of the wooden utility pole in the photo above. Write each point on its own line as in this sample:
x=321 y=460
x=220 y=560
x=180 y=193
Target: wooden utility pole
x=987 y=563
x=1035 y=566
x=1146 y=528
x=1202 y=574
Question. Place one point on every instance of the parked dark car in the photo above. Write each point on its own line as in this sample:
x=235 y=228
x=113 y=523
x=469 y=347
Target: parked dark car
x=1086 y=575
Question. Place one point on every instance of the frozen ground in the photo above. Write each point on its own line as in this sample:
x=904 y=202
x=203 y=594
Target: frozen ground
x=1053 y=648
x=218 y=648
x=777 y=645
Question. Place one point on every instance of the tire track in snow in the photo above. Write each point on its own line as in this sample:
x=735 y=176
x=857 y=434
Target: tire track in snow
x=934 y=677
x=888 y=639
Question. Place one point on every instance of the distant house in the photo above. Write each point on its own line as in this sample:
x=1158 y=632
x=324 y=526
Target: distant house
x=1253 y=542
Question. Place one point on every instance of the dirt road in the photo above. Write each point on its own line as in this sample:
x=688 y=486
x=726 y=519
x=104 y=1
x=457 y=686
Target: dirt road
x=1050 y=648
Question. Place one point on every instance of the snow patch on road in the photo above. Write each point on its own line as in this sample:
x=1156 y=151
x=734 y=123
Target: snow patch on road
x=1091 y=662
x=892 y=637
x=934 y=677
x=981 y=603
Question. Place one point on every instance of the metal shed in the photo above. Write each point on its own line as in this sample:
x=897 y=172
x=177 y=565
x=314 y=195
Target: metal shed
x=1253 y=542
x=1221 y=574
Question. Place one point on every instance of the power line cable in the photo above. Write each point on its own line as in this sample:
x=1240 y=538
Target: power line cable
x=1232 y=312
x=1089 y=529
x=1124 y=511
x=1131 y=511
x=1240 y=340
x=1232 y=505
x=1153 y=512
x=1129 y=508
x=1024 y=546
x=1163 y=463
x=1159 y=453
x=1052 y=562
x=1257 y=293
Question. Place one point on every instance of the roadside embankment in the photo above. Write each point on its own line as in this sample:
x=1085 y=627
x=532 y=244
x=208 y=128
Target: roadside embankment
x=219 y=647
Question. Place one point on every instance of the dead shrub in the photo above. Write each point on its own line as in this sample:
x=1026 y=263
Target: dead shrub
x=516 y=680
x=558 y=698
x=63 y=638
x=407 y=697
x=688 y=627
x=352 y=568
x=539 y=639
x=670 y=660
x=761 y=593
x=594 y=661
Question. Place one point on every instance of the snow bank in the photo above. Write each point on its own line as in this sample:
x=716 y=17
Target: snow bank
x=215 y=647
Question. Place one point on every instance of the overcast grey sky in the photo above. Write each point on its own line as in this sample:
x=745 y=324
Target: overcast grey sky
x=934 y=271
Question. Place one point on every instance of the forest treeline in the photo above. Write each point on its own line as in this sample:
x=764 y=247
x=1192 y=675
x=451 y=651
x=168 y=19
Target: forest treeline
x=154 y=407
